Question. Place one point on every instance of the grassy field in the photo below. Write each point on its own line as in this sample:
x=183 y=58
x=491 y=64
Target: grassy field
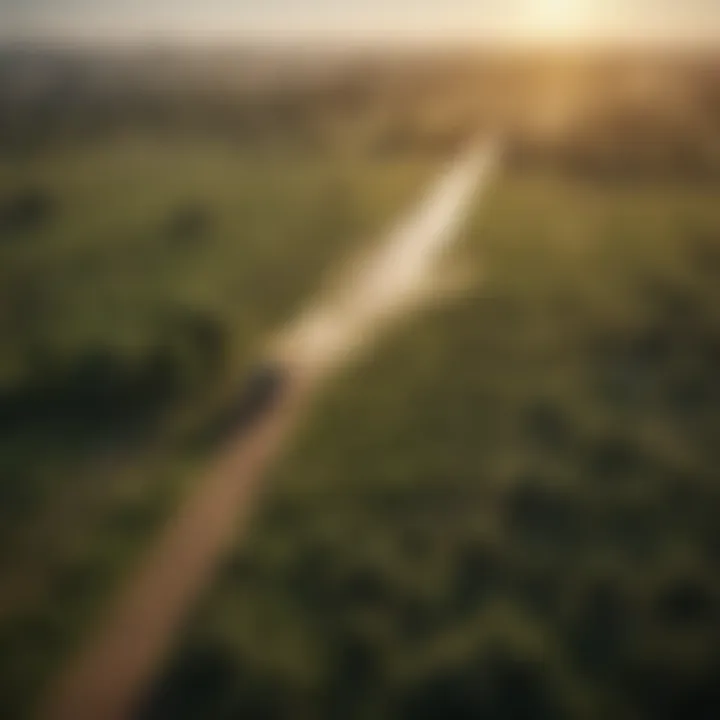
x=508 y=511
x=140 y=280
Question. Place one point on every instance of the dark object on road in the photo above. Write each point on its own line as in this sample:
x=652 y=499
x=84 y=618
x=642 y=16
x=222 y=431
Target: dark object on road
x=260 y=394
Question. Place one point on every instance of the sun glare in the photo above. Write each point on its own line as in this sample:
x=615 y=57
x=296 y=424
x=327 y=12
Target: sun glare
x=560 y=18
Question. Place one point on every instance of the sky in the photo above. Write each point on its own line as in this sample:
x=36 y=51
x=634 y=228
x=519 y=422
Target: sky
x=363 y=19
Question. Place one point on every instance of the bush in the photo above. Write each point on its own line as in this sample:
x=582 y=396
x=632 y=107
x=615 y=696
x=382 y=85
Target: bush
x=26 y=210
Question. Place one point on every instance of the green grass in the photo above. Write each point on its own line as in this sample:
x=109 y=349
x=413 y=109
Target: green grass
x=509 y=509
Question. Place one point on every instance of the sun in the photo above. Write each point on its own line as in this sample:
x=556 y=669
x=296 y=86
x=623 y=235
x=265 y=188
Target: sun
x=559 y=18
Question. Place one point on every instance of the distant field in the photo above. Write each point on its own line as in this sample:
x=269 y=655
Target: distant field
x=511 y=509
x=139 y=279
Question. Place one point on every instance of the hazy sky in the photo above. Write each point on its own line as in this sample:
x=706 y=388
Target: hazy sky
x=362 y=19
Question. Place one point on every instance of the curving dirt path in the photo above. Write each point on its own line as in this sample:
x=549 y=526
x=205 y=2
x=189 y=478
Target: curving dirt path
x=114 y=670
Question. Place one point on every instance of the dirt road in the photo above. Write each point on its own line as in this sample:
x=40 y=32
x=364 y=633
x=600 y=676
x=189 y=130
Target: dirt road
x=113 y=671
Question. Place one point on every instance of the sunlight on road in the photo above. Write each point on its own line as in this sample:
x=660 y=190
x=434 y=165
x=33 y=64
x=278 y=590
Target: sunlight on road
x=398 y=272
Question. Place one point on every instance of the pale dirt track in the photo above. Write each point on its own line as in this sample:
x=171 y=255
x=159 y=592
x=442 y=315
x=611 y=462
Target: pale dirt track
x=114 y=670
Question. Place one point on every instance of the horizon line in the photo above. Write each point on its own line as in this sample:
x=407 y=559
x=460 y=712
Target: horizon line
x=328 y=41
